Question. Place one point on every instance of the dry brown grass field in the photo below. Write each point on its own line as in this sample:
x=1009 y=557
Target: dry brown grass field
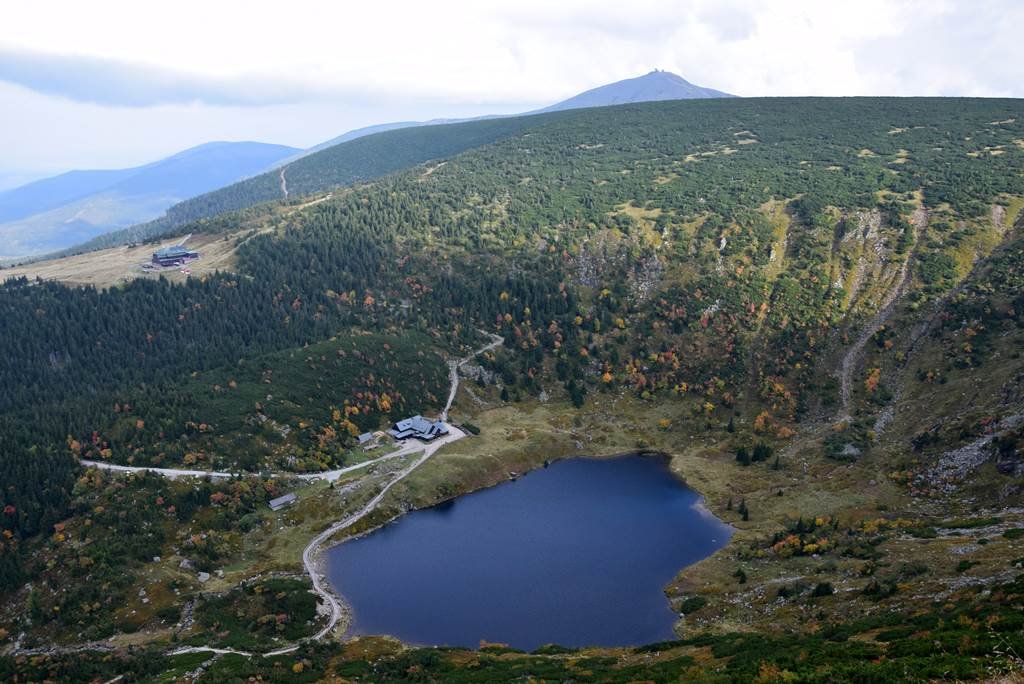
x=117 y=265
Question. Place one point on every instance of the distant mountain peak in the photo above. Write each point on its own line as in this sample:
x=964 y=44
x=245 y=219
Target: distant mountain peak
x=653 y=86
x=664 y=75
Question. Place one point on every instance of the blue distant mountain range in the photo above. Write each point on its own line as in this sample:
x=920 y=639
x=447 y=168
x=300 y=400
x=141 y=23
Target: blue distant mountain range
x=66 y=210
x=73 y=207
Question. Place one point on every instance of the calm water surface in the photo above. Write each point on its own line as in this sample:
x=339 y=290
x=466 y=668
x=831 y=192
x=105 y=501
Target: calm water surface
x=576 y=554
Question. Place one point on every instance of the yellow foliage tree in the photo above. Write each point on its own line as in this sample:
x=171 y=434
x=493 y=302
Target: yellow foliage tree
x=874 y=377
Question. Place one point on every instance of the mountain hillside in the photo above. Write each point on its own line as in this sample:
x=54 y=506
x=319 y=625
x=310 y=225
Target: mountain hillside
x=57 y=212
x=358 y=160
x=340 y=161
x=364 y=131
x=813 y=306
x=652 y=87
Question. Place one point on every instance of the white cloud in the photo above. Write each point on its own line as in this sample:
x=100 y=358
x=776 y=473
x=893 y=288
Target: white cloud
x=46 y=135
x=116 y=82
x=306 y=70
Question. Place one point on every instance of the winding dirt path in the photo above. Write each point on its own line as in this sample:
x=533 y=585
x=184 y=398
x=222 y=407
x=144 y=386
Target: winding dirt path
x=852 y=357
x=329 y=475
x=311 y=553
x=284 y=182
x=453 y=371
x=173 y=473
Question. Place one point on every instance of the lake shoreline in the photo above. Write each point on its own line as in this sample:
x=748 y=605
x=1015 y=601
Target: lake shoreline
x=405 y=505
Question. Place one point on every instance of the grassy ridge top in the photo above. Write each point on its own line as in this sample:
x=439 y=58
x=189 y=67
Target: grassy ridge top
x=841 y=121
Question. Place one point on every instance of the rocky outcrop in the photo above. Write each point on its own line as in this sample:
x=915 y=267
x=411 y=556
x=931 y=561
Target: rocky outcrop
x=953 y=467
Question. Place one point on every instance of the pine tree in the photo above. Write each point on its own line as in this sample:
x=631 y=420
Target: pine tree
x=762 y=452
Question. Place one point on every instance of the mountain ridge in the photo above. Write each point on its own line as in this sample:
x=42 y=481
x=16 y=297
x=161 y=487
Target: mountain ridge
x=49 y=218
x=41 y=215
x=654 y=86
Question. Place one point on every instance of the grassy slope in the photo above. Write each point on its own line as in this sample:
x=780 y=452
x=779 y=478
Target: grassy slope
x=217 y=243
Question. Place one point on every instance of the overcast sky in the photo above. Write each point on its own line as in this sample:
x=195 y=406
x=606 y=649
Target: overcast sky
x=109 y=83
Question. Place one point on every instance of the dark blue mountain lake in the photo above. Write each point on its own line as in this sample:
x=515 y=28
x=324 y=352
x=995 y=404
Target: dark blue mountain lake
x=578 y=554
